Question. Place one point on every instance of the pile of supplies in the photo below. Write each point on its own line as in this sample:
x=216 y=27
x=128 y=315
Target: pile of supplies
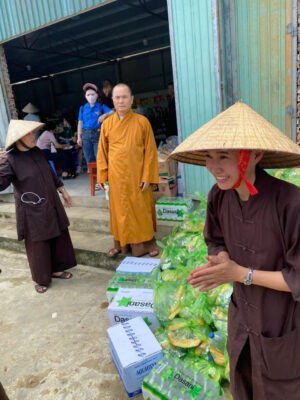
x=167 y=170
x=167 y=339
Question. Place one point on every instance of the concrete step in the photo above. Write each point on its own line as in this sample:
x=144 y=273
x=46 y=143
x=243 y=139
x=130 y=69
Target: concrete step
x=86 y=219
x=90 y=247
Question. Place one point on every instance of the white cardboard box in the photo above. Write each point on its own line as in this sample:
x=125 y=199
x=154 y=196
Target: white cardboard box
x=135 y=351
x=138 y=265
x=131 y=303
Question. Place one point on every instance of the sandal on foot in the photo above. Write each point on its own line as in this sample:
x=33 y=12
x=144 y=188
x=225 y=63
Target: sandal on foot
x=41 y=288
x=153 y=253
x=63 y=275
x=113 y=252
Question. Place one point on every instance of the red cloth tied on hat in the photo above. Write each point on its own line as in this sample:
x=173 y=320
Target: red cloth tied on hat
x=244 y=158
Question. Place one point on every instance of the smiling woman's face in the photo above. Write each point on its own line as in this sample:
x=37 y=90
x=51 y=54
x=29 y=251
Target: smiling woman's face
x=223 y=165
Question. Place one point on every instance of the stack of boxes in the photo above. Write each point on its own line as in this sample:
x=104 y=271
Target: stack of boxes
x=167 y=170
x=134 y=348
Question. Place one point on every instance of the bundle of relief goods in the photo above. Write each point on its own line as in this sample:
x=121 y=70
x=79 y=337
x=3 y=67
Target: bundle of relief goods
x=185 y=247
x=135 y=351
x=127 y=281
x=291 y=175
x=172 y=208
x=175 y=379
x=131 y=303
x=193 y=324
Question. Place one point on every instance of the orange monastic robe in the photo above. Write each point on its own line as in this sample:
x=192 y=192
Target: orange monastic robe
x=127 y=156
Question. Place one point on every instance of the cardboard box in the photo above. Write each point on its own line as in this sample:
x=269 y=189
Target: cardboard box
x=172 y=209
x=130 y=303
x=166 y=168
x=125 y=280
x=138 y=265
x=135 y=351
x=165 y=188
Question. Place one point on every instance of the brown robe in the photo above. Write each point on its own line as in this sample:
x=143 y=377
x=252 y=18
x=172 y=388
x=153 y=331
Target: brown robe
x=263 y=324
x=38 y=224
x=127 y=156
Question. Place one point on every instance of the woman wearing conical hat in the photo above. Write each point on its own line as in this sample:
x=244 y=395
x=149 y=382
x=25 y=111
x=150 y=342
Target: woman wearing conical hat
x=41 y=219
x=252 y=232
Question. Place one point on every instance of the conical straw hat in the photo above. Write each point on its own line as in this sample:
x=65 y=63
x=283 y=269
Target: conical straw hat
x=18 y=128
x=237 y=128
x=30 y=109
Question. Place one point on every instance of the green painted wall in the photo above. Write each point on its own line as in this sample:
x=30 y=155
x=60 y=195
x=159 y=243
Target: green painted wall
x=20 y=16
x=194 y=58
x=261 y=58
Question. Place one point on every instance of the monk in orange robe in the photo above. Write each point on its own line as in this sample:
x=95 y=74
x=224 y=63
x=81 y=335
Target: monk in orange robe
x=127 y=159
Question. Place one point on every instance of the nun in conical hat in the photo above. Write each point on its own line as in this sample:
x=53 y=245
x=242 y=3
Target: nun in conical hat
x=252 y=232
x=30 y=109
x=41 y=219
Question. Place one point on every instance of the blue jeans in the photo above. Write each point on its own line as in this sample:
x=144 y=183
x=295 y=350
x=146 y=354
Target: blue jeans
x=90 y=140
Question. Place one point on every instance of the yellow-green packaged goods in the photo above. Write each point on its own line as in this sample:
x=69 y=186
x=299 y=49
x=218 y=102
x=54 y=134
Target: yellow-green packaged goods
x=131 y=303
x=138 y=265
x=173 y=208
x=176 y=379
x=291 y=175
x=127 y=280
x=135 y=351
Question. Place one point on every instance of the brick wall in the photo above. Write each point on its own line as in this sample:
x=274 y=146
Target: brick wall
x=7 y=86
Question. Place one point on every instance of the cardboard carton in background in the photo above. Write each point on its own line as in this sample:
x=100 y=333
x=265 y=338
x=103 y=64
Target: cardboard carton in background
x=165 y=188
x=166 y=168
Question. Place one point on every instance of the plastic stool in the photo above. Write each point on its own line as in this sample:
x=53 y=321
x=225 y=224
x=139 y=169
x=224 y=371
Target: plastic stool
x=53 y=166
x=93 y=176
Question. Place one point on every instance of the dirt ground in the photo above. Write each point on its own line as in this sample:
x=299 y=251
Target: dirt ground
x=54 y=345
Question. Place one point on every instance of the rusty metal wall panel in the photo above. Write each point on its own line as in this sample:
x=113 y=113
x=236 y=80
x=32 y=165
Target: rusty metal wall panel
x=22 y=16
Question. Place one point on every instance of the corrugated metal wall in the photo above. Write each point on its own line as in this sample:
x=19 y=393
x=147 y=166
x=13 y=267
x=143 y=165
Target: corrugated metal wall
x=264 y=58
x=191 y=34
x=21 y=16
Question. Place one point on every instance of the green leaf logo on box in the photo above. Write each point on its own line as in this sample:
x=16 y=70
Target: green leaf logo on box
x=195 y=391
x=179 y=213
x=159 y=212
x=124 y=301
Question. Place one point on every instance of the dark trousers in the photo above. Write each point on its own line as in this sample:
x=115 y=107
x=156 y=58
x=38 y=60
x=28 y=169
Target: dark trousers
x=244 y=389
x=3 y=395
x=48 y=256
x=60 y=156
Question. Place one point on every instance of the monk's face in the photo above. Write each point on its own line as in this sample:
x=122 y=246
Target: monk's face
x=29 y=140
x=223 y=165
x=122 y=99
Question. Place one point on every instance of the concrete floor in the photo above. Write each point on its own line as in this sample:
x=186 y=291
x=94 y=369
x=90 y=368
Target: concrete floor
x=80 y=186
x=54 y=345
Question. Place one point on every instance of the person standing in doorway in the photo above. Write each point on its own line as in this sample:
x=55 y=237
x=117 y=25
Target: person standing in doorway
x=106 y=96
x=171 y=115
x=31 y=112
x=127 y=159
x=90 y=118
